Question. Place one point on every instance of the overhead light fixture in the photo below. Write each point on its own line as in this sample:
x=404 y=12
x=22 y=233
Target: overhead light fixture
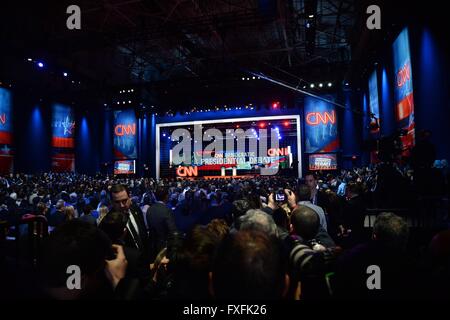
x=329 y=84
x=311 y=16
x=65 y=74
x=320 y=85
x=311 y=85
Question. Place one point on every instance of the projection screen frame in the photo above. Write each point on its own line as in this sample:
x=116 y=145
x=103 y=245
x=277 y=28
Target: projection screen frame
x=229 y=120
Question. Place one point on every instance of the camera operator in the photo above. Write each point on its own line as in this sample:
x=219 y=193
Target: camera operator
x=310 y=259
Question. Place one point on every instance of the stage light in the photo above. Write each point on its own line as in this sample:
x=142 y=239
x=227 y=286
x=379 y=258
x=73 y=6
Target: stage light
x=248 y=78
x=311 y=85
x=29 y=59
x=65 y=74
x=259 y=77
x=304 y=87
x=311 y=16
x=262 y=125
x=346 y=83
x=118 y=102
x=132 y=90
x=254 y=78
x=308 y=25
x=243 y=78
x=320 y=85
x=164 y=134
x=237 y=126
x=275 y=105
x=129 y=101
x=123 y=102
x=329 y=84
x=40 y=65
x=286 y=123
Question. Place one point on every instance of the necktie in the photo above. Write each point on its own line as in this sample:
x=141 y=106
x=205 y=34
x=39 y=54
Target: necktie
x=133 y=232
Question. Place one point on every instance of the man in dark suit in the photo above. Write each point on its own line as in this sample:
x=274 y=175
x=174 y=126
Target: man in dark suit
x=318 y=197
x=136 y=236
x=160 y=221
x=354 y=213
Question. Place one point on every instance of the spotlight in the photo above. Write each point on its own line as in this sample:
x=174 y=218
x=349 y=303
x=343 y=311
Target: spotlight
x=275 y=105
x=320 y=85
x=132 y=90
x=129 y=101
x=243 y=78
x=65 y=74
x=40 y=65
x=254 y=78
x=286 y=123
x=29 y=59
x=164 y=134
x=304 y=87
x=311 y=16
x=248 y=78
x=311 y=85
x=346 y=83
x=329 y=84
x=118 y=102
x=262 y=125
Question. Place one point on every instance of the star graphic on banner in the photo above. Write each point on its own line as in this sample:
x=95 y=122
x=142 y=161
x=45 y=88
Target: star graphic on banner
x=68 y=126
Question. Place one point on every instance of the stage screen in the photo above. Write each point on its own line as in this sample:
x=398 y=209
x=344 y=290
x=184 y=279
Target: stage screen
x=403 y=93
x=229 y=147
x=324 y=161
x=125 y=134
x=6 y=152
x=321 y=128
x=125 y=167
x=373 y=103
x=63 y=141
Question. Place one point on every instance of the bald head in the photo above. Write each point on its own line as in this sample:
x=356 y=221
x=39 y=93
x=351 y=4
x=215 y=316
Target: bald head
x=305 y=222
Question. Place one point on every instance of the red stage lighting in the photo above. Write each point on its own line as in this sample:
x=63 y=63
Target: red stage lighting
x=275 y=105
x=262 y=125
x=286 y=123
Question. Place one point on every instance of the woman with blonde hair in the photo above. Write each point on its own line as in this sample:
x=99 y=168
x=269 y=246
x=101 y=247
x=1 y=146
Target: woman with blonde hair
x=69 y=213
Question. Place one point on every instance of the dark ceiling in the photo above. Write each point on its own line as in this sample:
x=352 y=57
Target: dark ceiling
x=170 y=48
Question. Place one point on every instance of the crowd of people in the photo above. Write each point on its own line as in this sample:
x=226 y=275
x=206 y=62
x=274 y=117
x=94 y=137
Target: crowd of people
x=256 y=238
